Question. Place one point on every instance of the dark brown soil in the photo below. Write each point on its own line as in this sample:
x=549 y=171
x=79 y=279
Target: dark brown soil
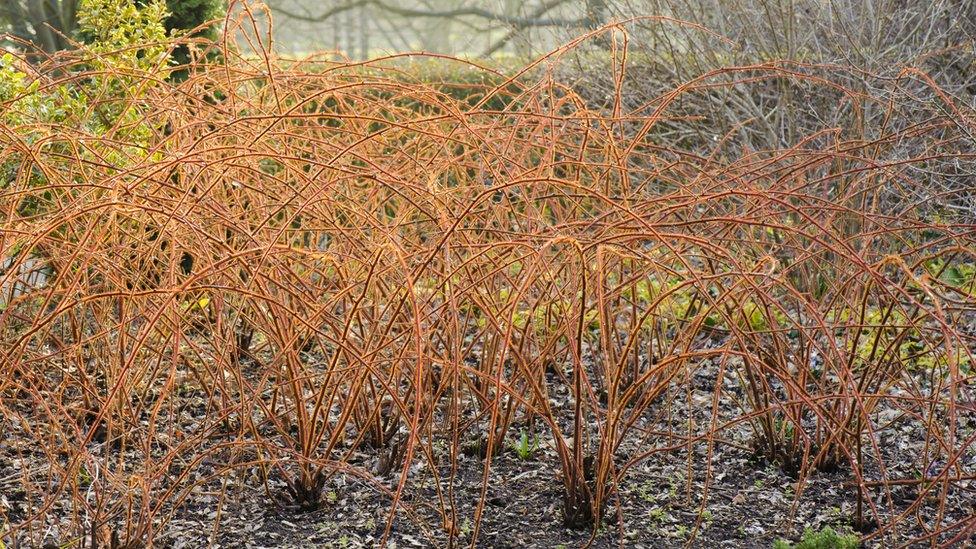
x=730 y=499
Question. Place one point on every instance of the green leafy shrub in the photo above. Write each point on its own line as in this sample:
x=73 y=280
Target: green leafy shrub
x=190 y=14
x=30 y=25
x=126 y=42
x=186 y=15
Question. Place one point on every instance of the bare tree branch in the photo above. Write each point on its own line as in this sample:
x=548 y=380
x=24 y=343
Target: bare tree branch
x=514 y=20
x=324 y=16
x=539 y=12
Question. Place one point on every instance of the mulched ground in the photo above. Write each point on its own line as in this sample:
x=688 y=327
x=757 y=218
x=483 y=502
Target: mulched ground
x=749 y=503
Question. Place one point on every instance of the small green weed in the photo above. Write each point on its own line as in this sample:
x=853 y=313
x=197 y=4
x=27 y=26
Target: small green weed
x=826 y=538
x=524 y=449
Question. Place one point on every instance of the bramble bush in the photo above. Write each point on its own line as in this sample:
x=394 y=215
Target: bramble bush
x=267 y=270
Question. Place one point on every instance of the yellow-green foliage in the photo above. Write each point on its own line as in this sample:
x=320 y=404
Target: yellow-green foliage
x=127 y=55
x=124 y=35
x=756 y=318
x=23 y=100
x=891 y=336
x=960 y=275
x=126 y=44
x=129 y=43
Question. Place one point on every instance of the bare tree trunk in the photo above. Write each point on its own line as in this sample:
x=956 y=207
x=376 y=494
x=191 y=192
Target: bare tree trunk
x=363 y=33
x=348 y=41
x=40 y=19
x=48 y=24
